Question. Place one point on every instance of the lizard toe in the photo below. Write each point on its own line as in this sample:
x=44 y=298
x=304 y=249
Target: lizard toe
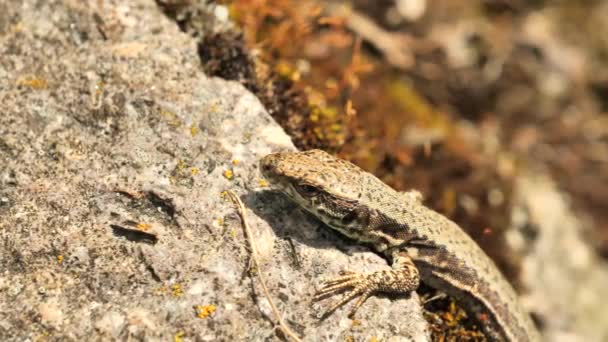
x=345 y=299
x=341 y=279
x=331 y=289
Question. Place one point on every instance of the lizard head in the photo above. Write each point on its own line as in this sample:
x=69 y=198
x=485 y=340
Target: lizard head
x=328 y=187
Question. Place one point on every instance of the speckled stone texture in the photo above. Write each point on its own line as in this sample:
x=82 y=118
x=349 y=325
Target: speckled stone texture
x=114 y=152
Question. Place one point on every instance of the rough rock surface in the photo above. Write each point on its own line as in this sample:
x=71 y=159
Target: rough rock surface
x=115 y=149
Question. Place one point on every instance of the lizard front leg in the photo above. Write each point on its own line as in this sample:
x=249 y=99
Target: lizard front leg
x=401 y=279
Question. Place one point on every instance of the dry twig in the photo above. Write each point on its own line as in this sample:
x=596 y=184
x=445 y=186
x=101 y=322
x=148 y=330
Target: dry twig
x=396 y=47
x=254 y=255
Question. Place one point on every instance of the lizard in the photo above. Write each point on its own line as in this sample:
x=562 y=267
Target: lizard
x=421 y=244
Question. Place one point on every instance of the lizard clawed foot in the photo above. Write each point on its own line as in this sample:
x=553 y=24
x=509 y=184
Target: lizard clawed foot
x=403 y=278
x=360 y=285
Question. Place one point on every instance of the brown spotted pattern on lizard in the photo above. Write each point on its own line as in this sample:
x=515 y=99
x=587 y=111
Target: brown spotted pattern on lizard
x=421 y=243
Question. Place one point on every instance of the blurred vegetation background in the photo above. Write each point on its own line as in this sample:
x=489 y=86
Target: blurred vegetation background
x=451 y=98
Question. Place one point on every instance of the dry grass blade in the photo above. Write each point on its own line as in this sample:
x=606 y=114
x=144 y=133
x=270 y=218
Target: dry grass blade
x=395 y=46
x=254 y=254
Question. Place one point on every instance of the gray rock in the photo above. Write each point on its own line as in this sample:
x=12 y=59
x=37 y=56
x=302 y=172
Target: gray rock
x=565 y=281
x=115 y=149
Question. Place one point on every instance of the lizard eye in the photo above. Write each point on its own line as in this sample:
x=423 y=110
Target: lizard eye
x=307 y=190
